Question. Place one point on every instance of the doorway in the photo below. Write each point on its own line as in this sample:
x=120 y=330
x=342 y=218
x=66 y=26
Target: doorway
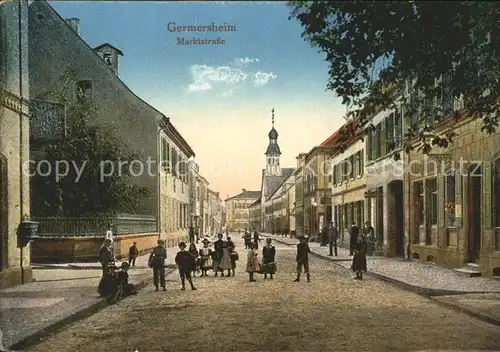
x=396 y=216
x=474 y=213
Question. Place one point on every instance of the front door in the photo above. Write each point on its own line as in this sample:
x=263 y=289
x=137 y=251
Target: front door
x=379 y=225
x=474 y=213
x=396 y=189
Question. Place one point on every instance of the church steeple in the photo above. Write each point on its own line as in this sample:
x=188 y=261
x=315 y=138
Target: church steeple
x=273 y=151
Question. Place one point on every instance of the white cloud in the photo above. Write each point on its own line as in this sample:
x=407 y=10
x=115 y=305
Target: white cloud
x=261 y=78
x=247 y=60
x=205 y=76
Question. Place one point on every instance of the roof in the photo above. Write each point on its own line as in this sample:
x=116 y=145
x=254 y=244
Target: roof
x=272 y=183
x=258 y=201
x=246 y=195
x=176 y=137
x=279 y=189
x=111 y=46
x=330 y=140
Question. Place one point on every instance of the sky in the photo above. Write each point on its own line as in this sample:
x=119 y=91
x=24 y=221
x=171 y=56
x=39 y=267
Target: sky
x=220 y=96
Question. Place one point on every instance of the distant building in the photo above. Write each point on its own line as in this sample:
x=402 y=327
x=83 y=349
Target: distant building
x=15 y=264
x=238 y=209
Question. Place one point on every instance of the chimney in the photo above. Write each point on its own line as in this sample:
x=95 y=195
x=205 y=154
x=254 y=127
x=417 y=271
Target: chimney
x=74 y=23
x=244 y=190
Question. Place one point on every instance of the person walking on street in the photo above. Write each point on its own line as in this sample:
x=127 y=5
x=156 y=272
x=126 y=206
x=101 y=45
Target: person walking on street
x=256 y=240
x=268 y=259
x=252 y=262
x=157 y=262
x=225 y=263
x=369 y=232
x=194 y=252
x=217 y=254
x=324 y=236
x=186 y=264
x=232 y=254
x=303 y=259
x=133 y=253
x=353 y=238
x=359 y=259
x=333 y=236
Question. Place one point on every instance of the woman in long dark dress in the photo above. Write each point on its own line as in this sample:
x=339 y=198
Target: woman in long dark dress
x=359 y=259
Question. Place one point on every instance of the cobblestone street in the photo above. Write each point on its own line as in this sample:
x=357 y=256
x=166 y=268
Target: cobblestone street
x=332 y=313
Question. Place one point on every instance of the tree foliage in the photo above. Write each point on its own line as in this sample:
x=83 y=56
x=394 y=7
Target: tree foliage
x=87 y=195
x=426 y=52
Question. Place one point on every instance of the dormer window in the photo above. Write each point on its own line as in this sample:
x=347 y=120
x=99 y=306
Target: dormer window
x=108 y=59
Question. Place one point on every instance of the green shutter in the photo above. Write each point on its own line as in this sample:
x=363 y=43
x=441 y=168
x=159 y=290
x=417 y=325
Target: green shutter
x=441 y=200
x=383 y=139
x=487 y=213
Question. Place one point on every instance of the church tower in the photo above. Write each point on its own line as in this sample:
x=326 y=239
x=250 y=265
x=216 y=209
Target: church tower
x=273 y=152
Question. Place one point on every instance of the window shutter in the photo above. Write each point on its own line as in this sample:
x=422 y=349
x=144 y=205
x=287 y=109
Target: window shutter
x=383 y=139
x=487 y=213
x=441 y=201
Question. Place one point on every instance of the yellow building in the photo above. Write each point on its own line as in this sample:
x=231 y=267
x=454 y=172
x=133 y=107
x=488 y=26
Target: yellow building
x=238 y=209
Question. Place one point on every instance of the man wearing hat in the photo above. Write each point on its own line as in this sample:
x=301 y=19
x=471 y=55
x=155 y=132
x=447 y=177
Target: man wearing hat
x=186 y=263
x=157 y=262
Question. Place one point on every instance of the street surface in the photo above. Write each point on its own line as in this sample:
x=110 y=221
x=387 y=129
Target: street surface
x=332 y=313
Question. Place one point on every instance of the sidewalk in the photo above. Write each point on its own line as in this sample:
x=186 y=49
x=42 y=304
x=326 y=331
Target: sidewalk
x=59 y=295
x=477 y=296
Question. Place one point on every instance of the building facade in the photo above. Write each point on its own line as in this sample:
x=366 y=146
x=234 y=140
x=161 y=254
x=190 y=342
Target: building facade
x=174 y=206
x=299 y=195
x=238 y=209
x=453 y=200
x=255 y=215
x=280 y=210
x=385 y=183
x=15 y=264
x=349 y=187
x=215 y=212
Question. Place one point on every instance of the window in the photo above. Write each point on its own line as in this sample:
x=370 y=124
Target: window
x=450 y=200
x=496 y=192
x=398 y=128
x=84 y=90
x=378 y=141
x=181 y=224
x=174 y=162
x=419 y=192
x=389 y=130
x=335 y=174
x=447 y=94
x=361 y=161
x=356 y=170
x=163 y=154
x=352 y=166
x=433 y=211
x=369 y=142
x=168 y=158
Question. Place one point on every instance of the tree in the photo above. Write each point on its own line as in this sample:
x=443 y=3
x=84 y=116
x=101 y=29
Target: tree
x=424 y=51
x=86 y=146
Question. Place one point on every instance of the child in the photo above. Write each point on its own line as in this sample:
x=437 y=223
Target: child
x=156 y=261
x=302 y=258
x=252 y=262
x=205 y=258
x=194 y=252
x=133 y=253
x=268 y=257
x=185 y=263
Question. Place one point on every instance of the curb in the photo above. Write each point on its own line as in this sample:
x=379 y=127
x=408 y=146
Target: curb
x=422 y=291
x=43 y=332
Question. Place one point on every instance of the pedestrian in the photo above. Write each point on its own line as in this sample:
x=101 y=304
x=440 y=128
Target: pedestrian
x=107 y=258
x=324 y=237
x=191 y=234
x=194 y=252
x=369 y=232
x=252 y=262
x=186 y=264
x=157 y=262
x=247 y=238
x=353 y=238
x=225 y=263
x=217 y=255
x=302 y=259
x=133 y=253
x=121 y=287
x=233 y=255
x=268 y=259
x=205 y=258
x=359 y=259
x=256 y=239
x=333 y=236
